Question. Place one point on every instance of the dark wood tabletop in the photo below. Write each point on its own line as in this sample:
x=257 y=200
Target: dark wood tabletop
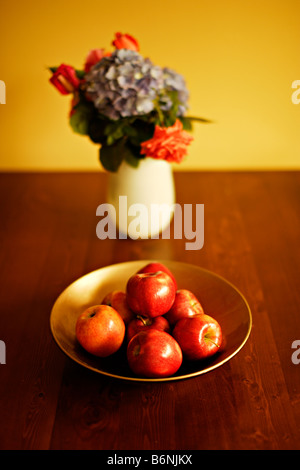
x=48 y=240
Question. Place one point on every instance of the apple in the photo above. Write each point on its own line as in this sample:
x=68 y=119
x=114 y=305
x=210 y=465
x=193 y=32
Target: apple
x=100 y=330
x=117 y=300
x=154 y=353
x=185 y=305
x=155 y=267
x=199 y=337
x=150 y=294
x=145 y=323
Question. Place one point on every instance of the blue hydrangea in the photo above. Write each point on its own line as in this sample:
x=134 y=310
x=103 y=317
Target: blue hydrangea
x=124 y=84
x=173 y=81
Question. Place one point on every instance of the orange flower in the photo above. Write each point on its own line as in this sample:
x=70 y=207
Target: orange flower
x=167 y=143
x=125 y=41
x=94 y=56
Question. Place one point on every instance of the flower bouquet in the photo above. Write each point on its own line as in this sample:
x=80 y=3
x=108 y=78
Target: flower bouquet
x=131 y=107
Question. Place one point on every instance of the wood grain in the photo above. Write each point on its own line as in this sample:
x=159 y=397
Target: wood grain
x=48 y=239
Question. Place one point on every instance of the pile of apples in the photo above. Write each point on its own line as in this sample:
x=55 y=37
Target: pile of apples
x=160 y=325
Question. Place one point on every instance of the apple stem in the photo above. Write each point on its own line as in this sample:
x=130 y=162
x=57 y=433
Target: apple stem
x=208 y=339
x=146 y=321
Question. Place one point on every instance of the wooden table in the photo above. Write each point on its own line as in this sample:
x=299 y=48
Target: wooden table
x=48 y=239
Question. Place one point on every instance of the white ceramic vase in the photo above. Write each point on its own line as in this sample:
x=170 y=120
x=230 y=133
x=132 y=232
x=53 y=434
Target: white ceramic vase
x=142 y=199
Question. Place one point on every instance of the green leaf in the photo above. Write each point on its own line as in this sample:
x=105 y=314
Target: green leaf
x=186 y=123
x=80 y=118
x=114 y=131
x=79 y=123
x=116 y=135
x=199 y=119
x=111 y=156
x=167 y=118
x=96 y=130
x=132 y=160
x=142 y=130
x=80 y=74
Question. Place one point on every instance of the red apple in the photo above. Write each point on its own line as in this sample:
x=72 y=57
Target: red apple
x=100 y=330
x=199 y=337
x=117 y=300
x=154 y=353
x=150 y=294
x=155 y=267
x=145 y=323
x=185 y=305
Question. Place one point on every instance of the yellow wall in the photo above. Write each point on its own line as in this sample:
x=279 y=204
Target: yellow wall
x=239 y=59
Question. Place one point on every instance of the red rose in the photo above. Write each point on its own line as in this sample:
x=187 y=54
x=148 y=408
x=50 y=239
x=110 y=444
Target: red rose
x=125 y=41
x=94 y=56
x=167 y=143
x=65 y=79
